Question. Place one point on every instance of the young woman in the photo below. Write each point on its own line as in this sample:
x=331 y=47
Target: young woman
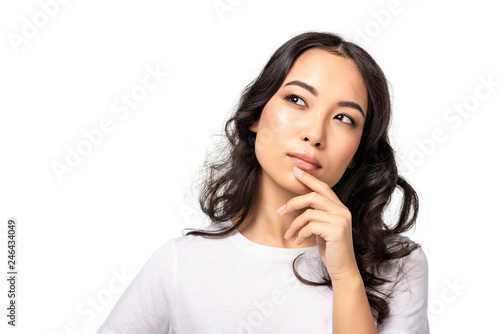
x=297 y=242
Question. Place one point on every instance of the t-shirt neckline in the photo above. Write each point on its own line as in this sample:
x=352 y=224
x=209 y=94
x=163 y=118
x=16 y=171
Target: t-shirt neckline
x=263 y=250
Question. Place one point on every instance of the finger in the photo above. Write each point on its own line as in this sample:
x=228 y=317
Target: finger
x=316 y=185
x=313 y=200
x=309 y=216
x=322 y=229
x=331 y=233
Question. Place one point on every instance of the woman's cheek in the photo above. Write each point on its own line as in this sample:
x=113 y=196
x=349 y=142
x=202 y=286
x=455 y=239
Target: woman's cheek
x=351 y=147
x=355 y=145
x=280 y=121
x=274 y=123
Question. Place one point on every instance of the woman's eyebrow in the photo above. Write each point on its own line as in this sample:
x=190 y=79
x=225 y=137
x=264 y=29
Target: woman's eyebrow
x=302 y=84
x=314 y=92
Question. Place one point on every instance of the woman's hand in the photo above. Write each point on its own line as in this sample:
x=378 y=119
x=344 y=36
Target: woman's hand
x=330 y=220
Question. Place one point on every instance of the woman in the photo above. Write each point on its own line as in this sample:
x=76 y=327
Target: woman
x=297 y=242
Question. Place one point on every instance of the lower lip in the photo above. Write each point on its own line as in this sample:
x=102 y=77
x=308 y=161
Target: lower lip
x=303 y=164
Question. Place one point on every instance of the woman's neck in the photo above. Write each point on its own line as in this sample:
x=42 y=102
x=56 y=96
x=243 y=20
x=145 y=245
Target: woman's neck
x=265 y=226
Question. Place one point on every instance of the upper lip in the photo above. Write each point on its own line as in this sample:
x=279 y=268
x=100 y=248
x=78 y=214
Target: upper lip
x=305 y=157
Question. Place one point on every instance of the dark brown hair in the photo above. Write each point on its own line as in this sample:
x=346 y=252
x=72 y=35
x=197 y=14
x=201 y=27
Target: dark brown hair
x=231 y=185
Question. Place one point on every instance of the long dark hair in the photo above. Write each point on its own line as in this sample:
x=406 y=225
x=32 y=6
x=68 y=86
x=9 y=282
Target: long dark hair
x=231 y=185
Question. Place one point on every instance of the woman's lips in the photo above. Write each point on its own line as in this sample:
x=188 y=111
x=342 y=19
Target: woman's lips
x=303 y=164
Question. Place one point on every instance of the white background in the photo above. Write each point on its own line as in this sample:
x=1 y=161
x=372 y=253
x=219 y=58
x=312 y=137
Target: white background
x=134 y=191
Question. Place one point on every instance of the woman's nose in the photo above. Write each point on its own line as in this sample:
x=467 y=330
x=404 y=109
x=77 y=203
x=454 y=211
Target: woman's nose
x=314 y=142
x=314 y=132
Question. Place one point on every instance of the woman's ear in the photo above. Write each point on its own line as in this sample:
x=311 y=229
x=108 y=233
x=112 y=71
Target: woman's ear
x=255 y=126
x=354 y=160
x=352 y=163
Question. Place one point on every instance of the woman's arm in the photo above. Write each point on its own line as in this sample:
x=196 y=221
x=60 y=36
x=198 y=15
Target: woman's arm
x=330 y=220
x=408 y=307
x=407 y=310
x=145 y=307
x=351 y=310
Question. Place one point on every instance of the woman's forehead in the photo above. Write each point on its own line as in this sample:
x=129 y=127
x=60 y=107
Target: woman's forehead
x=328 y=73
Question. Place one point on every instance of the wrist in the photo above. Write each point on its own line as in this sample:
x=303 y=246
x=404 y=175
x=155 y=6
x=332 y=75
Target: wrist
x=351 y=279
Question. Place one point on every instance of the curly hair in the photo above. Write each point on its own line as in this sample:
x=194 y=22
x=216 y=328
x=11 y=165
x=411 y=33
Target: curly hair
x=231 y=184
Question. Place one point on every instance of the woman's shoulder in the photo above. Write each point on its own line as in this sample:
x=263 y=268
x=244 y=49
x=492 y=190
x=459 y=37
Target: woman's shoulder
x=407 y=289
x=409 y=268
x=399 y=243
x=194 y=242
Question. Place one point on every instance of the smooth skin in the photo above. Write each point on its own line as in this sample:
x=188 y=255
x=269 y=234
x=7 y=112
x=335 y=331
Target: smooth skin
x=325 y=124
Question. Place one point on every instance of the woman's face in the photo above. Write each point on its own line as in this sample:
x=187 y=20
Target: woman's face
x=319 y=110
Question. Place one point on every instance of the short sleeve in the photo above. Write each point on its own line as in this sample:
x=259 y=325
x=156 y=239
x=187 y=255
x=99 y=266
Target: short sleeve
x=408 y=307
x=145 y=306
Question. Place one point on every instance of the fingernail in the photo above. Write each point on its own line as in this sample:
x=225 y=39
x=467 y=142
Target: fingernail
x=298 y=170
x=281 y=208
x=297 y=241
x=286 y=234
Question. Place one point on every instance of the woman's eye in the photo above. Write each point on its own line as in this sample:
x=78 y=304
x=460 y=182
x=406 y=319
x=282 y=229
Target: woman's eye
x=346 y=119
x=294 y=99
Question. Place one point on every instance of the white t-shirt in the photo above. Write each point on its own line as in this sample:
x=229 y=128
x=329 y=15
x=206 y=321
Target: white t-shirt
x=197 y=285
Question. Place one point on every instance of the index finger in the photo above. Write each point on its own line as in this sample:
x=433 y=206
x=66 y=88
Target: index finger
x=316 y=185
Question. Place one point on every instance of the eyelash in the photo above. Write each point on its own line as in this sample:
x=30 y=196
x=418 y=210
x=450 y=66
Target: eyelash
x=291 y=96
